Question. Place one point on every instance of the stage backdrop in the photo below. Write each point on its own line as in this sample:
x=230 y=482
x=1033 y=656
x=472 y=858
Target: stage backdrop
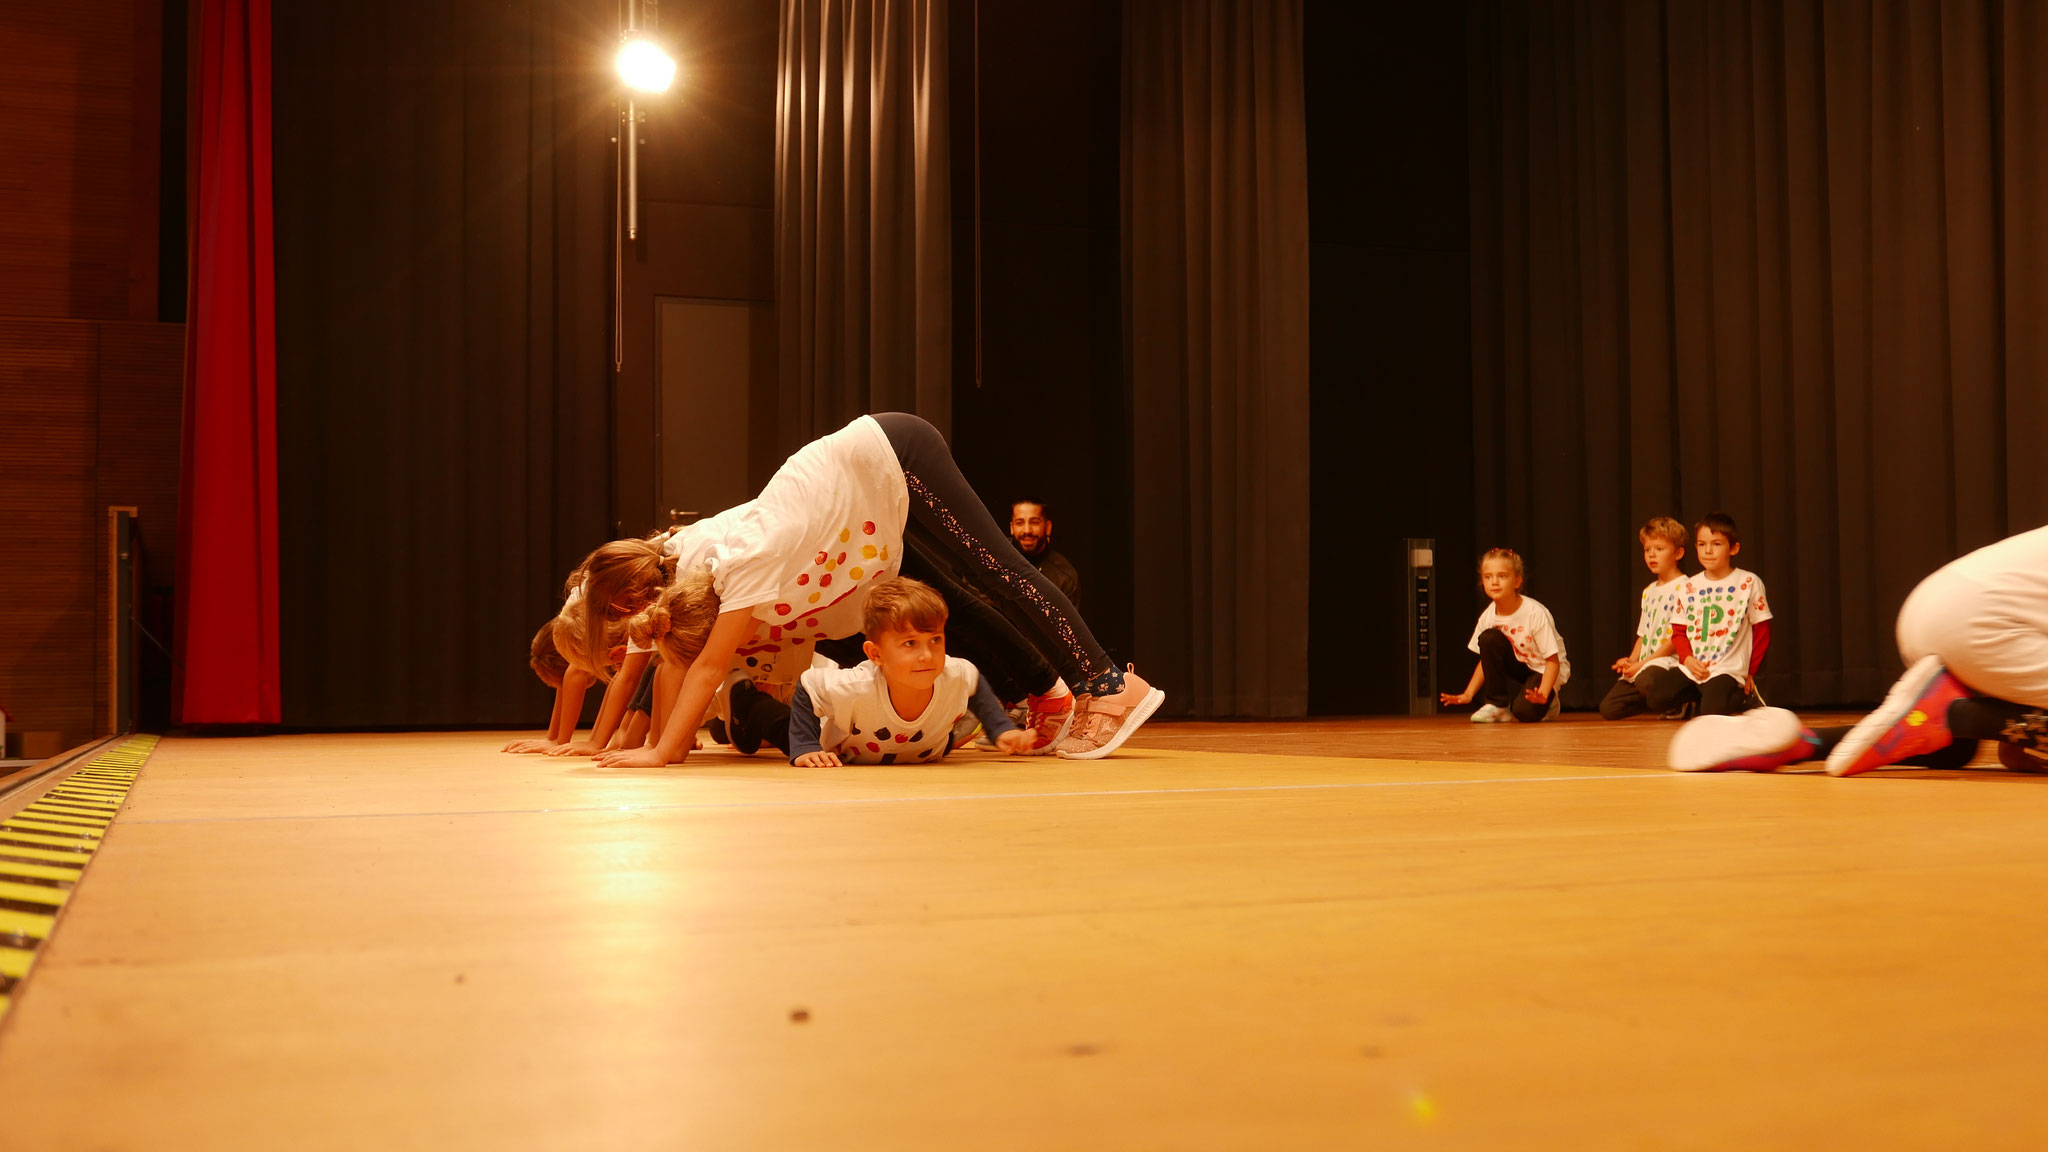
x=1786 y=260
x=443 y=195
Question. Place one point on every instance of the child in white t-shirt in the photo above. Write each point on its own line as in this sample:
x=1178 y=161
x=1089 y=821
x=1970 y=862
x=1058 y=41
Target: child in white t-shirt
x=1974 y=636
x=1521 y=657
x=793 y=566
x=1725 y=627
x=1650 y=677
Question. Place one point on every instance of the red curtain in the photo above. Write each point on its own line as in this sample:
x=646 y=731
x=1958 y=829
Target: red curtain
x=227 y=522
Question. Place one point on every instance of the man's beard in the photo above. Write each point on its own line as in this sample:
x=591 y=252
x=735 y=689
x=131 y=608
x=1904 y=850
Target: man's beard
x=1034 y=549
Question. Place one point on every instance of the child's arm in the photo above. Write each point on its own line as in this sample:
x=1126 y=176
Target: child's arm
x=996 y=723
x=700 y=684
x=1471 y=688
x=804 y=749
x=1540 y=694
x=562 y=720
x=1682 y=648
x=1628 y=664
x=617 y=696
x=1759 y=643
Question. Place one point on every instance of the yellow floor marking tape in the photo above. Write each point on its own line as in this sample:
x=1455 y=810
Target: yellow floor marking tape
x=53 y=840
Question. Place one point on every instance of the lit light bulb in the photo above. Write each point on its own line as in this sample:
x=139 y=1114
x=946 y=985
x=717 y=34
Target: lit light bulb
x=645 y=67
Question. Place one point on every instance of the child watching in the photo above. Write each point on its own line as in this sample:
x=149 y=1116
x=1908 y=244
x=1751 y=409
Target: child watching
x=900 y=706
x=1726 y=625
x=1974 y=636
x=1521 y=657
x=1650 y=676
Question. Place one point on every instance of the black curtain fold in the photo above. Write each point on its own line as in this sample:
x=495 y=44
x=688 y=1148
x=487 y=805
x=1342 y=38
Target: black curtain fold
x=1773 y=258
x=444 y=198
x=863 y=225
x=1215 y=223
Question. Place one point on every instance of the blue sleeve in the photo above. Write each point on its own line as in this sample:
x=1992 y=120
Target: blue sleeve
x=803 y=725
x=989 y=710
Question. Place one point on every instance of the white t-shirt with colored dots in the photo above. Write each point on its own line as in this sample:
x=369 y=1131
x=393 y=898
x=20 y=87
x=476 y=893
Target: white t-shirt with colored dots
x=1662 y=607
x=1532 y=632
x=859 y=721
x=803 y=553
x=1717 y=618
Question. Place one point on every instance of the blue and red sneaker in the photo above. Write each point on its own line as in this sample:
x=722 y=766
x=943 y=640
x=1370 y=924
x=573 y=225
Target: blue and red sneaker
x=1912 y=721
x=1759 y=740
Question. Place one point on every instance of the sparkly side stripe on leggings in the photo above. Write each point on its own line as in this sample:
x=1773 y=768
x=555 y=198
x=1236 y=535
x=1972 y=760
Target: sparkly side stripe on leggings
x=1025 y=588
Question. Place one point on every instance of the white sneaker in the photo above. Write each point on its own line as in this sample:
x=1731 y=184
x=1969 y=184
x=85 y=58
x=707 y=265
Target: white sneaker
x=1491 y=714
x=1759 y=740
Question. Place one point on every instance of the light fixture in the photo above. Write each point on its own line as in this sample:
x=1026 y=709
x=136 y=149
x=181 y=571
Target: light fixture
x=643 y=66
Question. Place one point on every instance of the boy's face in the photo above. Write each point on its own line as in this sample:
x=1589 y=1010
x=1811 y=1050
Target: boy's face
x=1661 y=556
x=1716 y=553
x=1498 y=578
x=908 y=658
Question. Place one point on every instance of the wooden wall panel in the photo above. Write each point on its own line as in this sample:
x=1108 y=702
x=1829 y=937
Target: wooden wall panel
x=79 y=117
x=89 y=416
x=48 y=634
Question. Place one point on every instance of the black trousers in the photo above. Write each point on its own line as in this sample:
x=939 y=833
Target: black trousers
x=1725 y=696
x=1655 y=690
x=1024 y=633
x=1506 y=678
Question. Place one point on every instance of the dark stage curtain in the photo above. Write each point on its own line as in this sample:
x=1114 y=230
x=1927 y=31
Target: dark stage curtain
x=1781 y=259
x=444 y=192
x=1215 y=223
x=227 y=598
x=863 y=218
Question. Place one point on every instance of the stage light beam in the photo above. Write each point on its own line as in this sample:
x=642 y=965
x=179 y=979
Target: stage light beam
x=644 y=67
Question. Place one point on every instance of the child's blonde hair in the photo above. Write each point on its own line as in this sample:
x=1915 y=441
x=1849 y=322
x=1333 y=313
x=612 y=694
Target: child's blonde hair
x=900 y=604
x=631 y=570
x=543 y=657
x=1508 y=554
x=1663 y=528
x=679 y=620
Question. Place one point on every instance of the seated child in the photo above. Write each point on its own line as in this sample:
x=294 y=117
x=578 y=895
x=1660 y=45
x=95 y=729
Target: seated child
x=1725 y=626
x=1521 y=657
x=1650 y=677
x=897 y=708
x=1974 y=636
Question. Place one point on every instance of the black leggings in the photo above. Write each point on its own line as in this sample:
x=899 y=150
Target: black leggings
x=1002 y=606
x=1506 y=678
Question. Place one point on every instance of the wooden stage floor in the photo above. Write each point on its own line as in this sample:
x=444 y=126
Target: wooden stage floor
x=1324 y=935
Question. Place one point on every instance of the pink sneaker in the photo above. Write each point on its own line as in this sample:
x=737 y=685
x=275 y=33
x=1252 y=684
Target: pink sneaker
x=1101 y=725
x=1913 y=720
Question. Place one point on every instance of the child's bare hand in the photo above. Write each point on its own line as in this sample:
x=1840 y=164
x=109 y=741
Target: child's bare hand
x=1454 y=698
x=542 y=745
x=1749 y=685
x=1536 y=695
x=818 y=760
x=1699 y=669
x=1015 y=742
x=1627 y=667
x=642 y=757
x=579 y=748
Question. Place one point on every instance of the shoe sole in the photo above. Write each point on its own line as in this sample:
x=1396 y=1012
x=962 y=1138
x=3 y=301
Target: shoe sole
x=1756 y=741
x=1139 y=714
x=1890 y=734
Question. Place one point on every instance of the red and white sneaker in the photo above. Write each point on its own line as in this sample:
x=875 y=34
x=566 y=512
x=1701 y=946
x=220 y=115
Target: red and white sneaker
x=1048 y=719
x=1913 y=720
x=1759 y=740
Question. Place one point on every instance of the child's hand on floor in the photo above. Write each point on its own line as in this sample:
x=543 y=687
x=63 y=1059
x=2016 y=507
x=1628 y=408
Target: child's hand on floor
x=818 y=760
x=579 y=748
x=1015 y=742
x=541 y=745
x=1454 y=698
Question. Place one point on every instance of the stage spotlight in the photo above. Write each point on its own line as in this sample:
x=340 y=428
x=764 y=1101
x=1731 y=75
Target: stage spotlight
x=644 y=67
